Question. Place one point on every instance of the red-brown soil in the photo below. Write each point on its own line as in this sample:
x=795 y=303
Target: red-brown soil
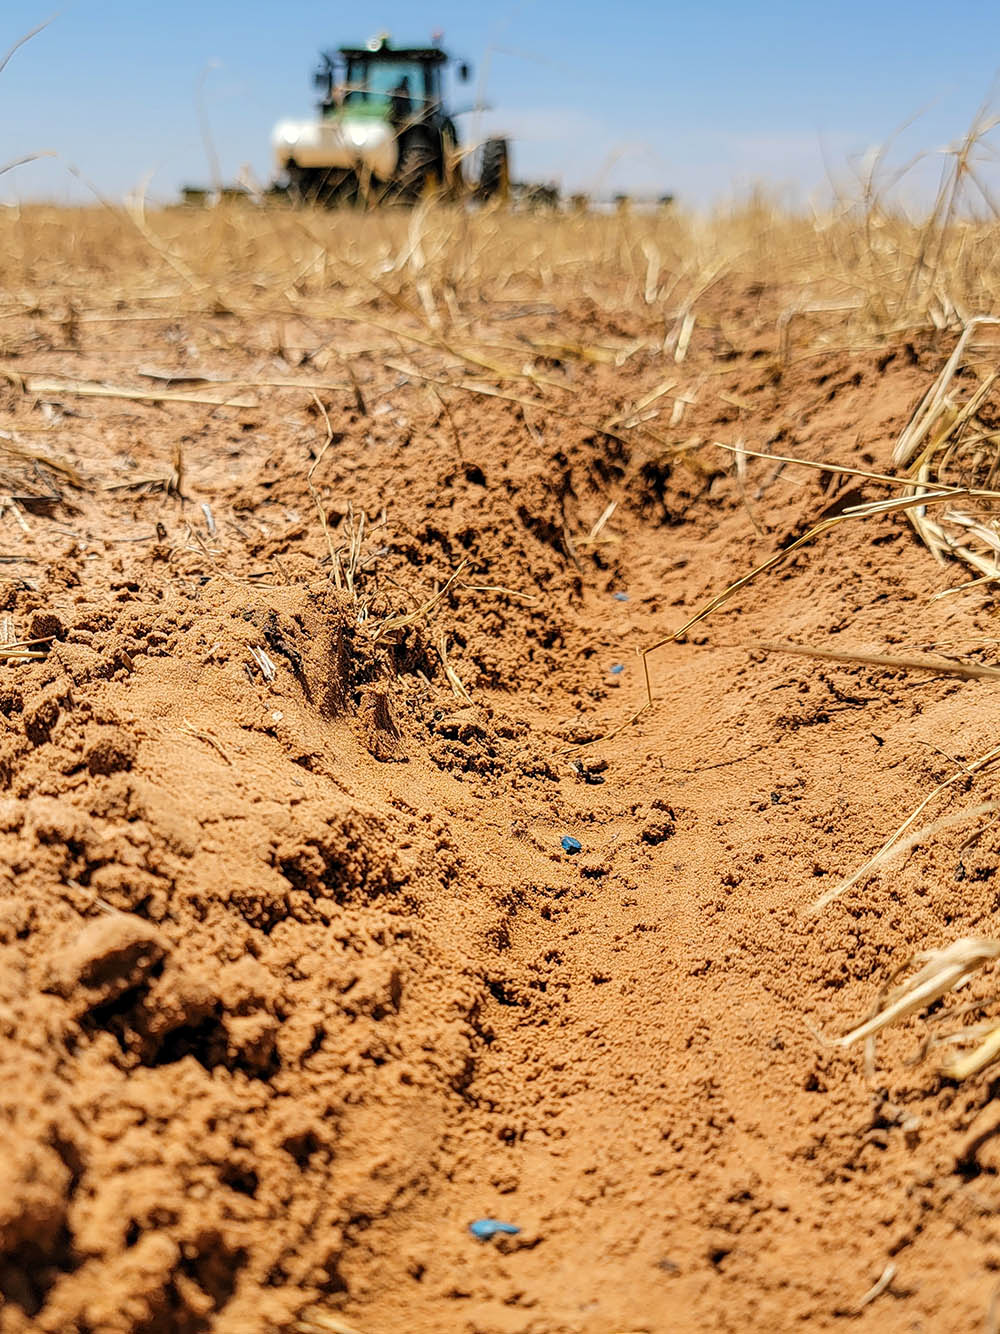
x=296 y=978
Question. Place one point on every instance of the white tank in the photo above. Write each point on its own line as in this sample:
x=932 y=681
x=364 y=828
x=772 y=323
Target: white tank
x=337 y=144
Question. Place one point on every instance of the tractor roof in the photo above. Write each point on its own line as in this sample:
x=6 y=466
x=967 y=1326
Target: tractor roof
x=383 y=49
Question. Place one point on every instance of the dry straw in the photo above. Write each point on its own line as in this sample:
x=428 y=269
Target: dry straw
x=953 y=438
x=940 y=972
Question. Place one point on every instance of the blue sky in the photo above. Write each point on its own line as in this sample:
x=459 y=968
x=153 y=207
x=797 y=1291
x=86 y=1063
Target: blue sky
x=697 y=99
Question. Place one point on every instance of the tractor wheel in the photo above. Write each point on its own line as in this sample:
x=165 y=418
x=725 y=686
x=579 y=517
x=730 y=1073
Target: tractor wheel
x=494 y=172
x=298 y=184
x=417 y=166
x=316 y=185
x=451 y=161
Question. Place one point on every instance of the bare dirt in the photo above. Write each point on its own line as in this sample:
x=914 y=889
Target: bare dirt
x=296 y=978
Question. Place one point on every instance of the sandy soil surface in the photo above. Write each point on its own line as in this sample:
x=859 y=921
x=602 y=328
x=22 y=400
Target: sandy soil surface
x=296 y=977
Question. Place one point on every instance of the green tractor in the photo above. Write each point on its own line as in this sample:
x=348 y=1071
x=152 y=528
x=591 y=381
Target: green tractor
x=383 y=131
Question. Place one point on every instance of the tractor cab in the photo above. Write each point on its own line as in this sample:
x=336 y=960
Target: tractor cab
x=381 y=82
x=395 y=83
x=383 y=129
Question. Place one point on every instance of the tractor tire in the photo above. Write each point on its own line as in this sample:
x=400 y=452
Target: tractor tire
x=417 y=167
x=494 y=171
x=305 y=185
x=317 y=186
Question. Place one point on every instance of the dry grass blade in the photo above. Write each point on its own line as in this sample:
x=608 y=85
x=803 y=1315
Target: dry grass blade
x=346 y=572
x=948 y=435
x=898 y=846
x=838 y=469
x=486 y=391
x=189 y=729
x=267 y=668
x=10 y=445
x=877 y=1288
x=963 y=1067
x=13 y=649
x=930 y=408
x=454 y=680
x=181 y=377
x=15 y=653
x=320 y=509
x=941 y=972
x=595 y=532
x=319 y=1322
x=889 y=845
x=255 y=382
x=870 y=509
x=22 y=41
x=741 y=483
x=90 y=389
x=594 y=353
x=684 y=337
x=499 y=588
x=634 y=414
x=23 y=161
x=152 y=480
x=972 y=671
x=470 y=357
x=393 y=623
x=137 y=215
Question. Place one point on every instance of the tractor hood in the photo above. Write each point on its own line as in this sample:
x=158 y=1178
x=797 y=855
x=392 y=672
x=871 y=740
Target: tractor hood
x=348 y=140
